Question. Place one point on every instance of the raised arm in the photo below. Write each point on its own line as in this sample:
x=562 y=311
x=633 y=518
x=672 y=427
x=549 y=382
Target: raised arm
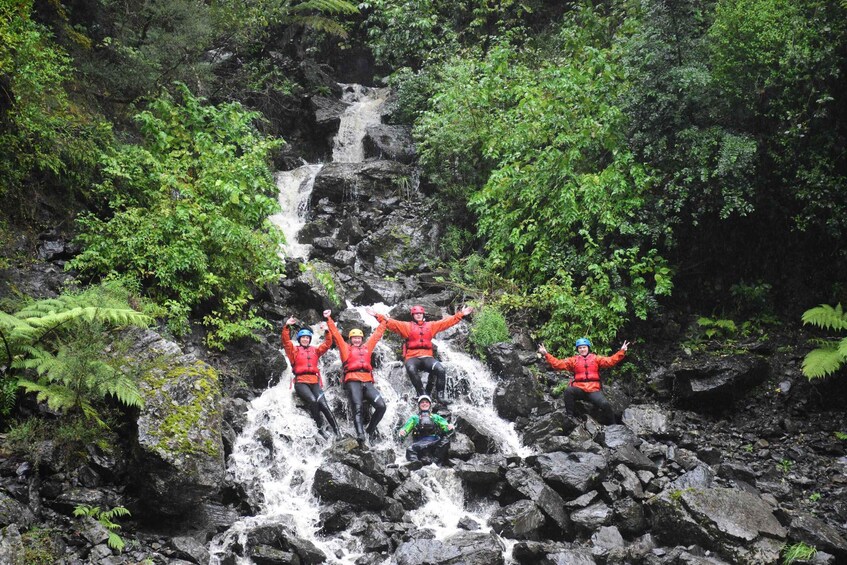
x=343 y=350
x=375 y=337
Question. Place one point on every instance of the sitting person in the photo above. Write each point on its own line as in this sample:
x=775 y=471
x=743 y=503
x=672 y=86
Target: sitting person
x=585 y=384
x=431 y=433
x=307 y=378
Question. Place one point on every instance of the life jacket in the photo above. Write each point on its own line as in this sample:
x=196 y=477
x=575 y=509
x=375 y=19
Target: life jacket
x=306 y=363
x=586 y=369
x=420 y=337
x=358 y=361
x=425 y=426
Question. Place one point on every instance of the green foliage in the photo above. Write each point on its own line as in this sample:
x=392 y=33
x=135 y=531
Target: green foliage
x=831 y=354
x=63 y=342
x=107 y=520
x=488 y=327
x=45 y=139
x=71 y=436
x=841 y=435
x=127 y=50
x=534 y=142
x=797 y=552
x=785 y=466
x=188 y=215
x=815 y=496
x=718 y=328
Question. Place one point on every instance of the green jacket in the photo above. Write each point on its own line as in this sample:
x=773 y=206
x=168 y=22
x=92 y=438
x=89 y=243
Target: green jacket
x=412 y=423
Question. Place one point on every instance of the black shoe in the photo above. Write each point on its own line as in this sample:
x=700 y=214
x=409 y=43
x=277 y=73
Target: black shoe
x=441 y=400
x=363 y=443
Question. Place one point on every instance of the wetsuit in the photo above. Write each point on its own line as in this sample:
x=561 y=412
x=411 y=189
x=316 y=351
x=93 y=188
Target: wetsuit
x=307 y=377
x=418 y=353
x=358 y=378
x=586 y=381
x=430 y=432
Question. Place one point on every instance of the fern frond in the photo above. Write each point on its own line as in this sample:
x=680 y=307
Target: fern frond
x=821 y=362
x=842 y=348
x=57 y=397
x=826 y=317
x=124 y=389
x=319 y=23
x=326 y=7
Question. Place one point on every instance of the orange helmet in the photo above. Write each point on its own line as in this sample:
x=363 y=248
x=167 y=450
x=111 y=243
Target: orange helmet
x=417 y=309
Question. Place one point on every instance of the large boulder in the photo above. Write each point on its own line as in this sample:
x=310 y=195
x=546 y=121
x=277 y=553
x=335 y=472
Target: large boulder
x=712 y=383
x=520 y=520
x=337 y=481
x=465 y=548
x=179 y=459
x=394 y=143
x=738 y=525
x=532 y=486
x=572 y=474
x=358 y=182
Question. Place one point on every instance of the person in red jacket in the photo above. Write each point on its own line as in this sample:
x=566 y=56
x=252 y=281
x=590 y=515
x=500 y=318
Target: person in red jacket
x=417 y=349
x=358 y=375
x=307 y=377
x=585 y=384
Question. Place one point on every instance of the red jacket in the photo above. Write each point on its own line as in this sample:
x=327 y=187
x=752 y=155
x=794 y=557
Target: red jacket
x=304 y=360
x=586 y=369
x=419 y=336
x=358 y=359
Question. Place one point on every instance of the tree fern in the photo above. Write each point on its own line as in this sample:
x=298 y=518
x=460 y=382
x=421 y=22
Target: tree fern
x=832 y=353
x=59 y=343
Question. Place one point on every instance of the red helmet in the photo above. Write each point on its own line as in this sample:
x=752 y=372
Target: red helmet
x=417 y=309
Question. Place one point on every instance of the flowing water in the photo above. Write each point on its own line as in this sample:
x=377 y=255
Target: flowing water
x=275 y=458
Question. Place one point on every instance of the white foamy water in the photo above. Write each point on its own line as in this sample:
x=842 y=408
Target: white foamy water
x=363 y=112
x=295 y=188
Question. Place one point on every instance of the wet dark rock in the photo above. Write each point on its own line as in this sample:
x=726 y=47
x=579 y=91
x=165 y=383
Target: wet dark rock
x=518 y=396
x=618 y=436
x=483 y=441
x=817 y=533
x=646 y=420
x=532 y=486
x=630 y=517
x=483 y=469
x=548 y=426
x=357 y=182
x=411 y=495
x=710 y=382
x=375 y=289
x=737 y=524
x=592 y=517
x=700 y=477
x=328 y=112
x=632 y=457
x=461 y=447
x=394 y=143
x=13 y=512
x=189 y=548
x=337 y=481
x=521 y=520
x=572 y=474
x=466 y=548
x=266 y=555
x=504 y=361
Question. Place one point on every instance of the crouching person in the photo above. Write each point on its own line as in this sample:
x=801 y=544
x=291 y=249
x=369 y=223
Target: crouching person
x=431 y=433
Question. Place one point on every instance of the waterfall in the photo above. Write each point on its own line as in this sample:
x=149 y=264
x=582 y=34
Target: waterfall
x=363 y=112
x=295 y=187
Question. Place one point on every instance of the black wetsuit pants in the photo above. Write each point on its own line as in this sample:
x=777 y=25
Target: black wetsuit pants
x=428 y=449
x=313 y=396
x=572 y=394
x=437 y=375
x=357 y=392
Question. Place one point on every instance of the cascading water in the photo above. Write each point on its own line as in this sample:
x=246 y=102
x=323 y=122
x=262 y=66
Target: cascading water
x=363 y=112
x=295 y=187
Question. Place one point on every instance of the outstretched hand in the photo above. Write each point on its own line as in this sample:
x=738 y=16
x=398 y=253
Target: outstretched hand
x=323 y=326
x=402 y=433
x=291 y=321
x=466 y=310
x=625 y=345
x=541 y=349
x=327 y=314
x=370 y=311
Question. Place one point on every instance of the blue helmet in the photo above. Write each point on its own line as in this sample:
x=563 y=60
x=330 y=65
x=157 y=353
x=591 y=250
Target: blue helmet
x=583 y=341
x=304 y=333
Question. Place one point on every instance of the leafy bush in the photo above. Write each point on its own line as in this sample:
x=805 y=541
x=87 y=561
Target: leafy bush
x=488 y=327
x=45 y=139
x=188 y=215
x=533 y=140
x=831 y=354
